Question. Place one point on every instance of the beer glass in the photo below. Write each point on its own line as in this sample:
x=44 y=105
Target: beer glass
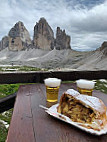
x=85 y=86
x=52 y=89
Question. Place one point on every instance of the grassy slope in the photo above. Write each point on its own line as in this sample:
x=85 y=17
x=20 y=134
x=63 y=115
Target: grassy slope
x=8 y=89
x=101 y=85
x=3 y=133
x=20 y=68
x=6 y=117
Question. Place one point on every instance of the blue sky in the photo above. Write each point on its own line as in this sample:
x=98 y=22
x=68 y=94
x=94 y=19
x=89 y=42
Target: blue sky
x=84 y=20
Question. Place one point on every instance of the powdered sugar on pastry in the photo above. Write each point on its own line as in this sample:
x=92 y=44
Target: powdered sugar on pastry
x=89 y=111
x=89 y=101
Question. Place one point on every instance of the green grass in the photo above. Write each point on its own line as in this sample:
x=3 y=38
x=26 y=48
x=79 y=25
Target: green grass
x=3 y=132
x=68 y=81
x=102 y=86
x=6 y=117
x=7 y=89
x=20 y=68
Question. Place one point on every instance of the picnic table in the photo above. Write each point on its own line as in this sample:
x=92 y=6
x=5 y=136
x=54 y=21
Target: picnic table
x=30 y=123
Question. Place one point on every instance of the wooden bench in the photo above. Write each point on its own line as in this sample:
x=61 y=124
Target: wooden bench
x=30 y=123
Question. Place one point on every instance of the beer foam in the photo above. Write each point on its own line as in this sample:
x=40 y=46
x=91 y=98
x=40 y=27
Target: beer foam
x=52 y=82
x=85 y=84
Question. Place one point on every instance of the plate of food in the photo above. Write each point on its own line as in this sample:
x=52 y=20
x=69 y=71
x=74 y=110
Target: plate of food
x=85 y=112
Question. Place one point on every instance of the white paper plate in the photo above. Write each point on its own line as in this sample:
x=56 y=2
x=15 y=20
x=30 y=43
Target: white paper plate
x=53 y=112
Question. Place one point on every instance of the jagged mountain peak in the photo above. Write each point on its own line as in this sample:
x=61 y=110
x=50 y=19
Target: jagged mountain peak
x=62 y=39
x=42 y=19
x=19 y=39
x=17 y=29
x=19 y=23
x=43 y=35
x=104 y=45
x=103 y=48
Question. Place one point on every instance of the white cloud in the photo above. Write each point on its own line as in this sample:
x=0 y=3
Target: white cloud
x=86 y=25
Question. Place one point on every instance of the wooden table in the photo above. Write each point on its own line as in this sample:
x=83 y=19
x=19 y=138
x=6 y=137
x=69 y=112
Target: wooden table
x=30 y=123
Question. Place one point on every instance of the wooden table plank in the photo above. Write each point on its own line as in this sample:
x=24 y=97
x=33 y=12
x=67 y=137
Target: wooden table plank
x=30 y=123
x=42 y=121
x=21 y=129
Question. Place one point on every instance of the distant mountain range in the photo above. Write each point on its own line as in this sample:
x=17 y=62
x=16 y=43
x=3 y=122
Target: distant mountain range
x=45 y=51
x=19 y=39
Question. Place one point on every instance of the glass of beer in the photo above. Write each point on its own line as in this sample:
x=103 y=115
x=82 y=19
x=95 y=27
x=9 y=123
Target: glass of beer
x=85 y=86
x=52 y=89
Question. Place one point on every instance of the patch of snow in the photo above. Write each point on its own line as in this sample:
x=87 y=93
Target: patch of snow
x=3 y=58
x=105 y=85
x=5 y=124
x=103 y=80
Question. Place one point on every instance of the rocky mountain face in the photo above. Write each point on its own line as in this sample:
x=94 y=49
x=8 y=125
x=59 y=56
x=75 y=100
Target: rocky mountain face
x=104 y=48
x=19 y=39
x=62 y=40
x=4 y=43
x=43 y=35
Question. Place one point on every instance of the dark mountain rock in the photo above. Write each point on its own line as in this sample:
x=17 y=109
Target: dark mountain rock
x=4 y=43
x=103 y=48
x=43 y=35
x=19 y=37
x=62 y=40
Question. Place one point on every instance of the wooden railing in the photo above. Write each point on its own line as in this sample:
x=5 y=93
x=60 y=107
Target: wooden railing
x=38 y=77
x=7 y=103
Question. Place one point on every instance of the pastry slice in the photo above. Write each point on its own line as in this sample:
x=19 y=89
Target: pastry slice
x=88 y=111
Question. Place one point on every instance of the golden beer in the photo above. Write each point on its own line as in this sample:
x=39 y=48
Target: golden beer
x=52 y=89
x=52 y=93
x=85 y=91
x=85 y=86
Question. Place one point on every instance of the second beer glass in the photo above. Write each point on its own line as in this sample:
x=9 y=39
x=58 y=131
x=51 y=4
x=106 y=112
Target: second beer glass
x=85 y=86
x=52 y=89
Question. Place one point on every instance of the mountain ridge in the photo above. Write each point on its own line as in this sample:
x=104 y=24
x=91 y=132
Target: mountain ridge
x=43 y=38
x=56 y=59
